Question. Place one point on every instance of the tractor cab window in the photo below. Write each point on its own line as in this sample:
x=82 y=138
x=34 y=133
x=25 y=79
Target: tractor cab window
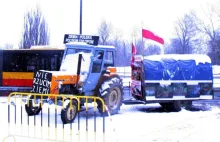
x=97 y=61
x=109 y=60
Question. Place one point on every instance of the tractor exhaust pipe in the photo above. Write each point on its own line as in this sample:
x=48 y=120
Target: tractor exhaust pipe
x=78 y=68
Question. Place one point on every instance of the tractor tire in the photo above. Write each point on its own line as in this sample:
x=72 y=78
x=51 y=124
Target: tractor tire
x=31 y=109
x=68 y=114
x=171 y=106
x=112 y=96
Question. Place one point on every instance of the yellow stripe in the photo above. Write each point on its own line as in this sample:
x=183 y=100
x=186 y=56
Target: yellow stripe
x=18 y=75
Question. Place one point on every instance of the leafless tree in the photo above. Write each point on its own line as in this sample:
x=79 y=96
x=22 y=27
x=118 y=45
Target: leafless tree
x=209 y=27
x=35 y=30
x=185 y=29
x=105 y=30
x=152 y=50
x=7 y=46
x=117 y=37
x=137 y=39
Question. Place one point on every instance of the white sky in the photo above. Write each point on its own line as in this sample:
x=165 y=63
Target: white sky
x=63 y=16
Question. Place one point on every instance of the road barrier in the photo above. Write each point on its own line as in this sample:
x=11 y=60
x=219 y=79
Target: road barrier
x=47 y=124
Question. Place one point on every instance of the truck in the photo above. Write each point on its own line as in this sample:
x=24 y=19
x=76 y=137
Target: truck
x=90 y=70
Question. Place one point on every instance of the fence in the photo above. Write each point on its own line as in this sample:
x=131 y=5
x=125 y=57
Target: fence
x=47 y=125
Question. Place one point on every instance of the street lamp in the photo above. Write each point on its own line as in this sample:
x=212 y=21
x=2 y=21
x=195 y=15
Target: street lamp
x=80 y=18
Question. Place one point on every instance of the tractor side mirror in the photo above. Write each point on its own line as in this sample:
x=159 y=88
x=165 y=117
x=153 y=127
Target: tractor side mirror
x=100 y=55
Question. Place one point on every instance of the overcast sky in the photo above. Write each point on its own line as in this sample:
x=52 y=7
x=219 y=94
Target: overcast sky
x=63 y=16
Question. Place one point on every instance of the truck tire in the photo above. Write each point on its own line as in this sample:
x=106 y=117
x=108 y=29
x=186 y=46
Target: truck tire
x=171 y=106
x=31 y=109
x=68 y=114
x=186 y=104
x=112 y=97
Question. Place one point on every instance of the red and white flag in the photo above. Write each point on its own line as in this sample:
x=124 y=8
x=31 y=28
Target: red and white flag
x=149 y=35
x=133 y=52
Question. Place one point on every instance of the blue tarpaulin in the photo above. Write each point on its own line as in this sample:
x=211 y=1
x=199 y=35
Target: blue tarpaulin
x=177 y=69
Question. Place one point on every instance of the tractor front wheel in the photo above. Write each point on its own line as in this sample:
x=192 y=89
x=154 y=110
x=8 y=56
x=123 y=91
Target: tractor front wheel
x=68 y=114
x=32 y=109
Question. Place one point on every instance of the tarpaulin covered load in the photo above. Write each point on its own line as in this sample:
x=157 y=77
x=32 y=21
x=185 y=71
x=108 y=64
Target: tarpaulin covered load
x=178 y=67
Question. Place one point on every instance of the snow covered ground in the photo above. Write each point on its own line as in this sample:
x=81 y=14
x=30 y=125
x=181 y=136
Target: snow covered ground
x=140 y=123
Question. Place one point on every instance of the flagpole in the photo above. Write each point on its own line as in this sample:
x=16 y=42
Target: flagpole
x=142 y=39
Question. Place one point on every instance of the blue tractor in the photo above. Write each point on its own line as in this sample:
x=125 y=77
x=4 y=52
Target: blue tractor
x=86 y=70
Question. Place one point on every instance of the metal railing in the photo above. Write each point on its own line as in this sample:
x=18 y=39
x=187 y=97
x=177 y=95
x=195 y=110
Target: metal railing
x=47 y=125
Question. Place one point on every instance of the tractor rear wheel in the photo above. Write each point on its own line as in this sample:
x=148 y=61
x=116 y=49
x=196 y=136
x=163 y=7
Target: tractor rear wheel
x=31 y=108
x=68 y=114
x=112 y=96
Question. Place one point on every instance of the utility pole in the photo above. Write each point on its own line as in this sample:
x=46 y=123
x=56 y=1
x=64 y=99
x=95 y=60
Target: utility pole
x=80 y=18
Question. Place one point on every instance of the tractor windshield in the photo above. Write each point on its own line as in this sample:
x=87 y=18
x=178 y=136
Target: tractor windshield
x=70 y=61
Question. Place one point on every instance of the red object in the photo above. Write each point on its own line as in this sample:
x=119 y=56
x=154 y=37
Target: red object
x=18 y=82
x=149 y=35
x=134 y=50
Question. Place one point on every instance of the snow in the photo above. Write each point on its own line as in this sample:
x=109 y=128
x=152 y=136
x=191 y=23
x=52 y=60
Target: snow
x=216 y=69
x=199 y=58
x=70 y=63
x=76 y=43
x=141 y=123
x=105 y=46
x=48 y=47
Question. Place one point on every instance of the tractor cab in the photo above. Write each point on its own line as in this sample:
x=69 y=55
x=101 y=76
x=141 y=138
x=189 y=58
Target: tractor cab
x=95 y=61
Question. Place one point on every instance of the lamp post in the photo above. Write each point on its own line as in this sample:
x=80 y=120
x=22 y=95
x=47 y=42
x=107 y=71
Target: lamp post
x=80 y=18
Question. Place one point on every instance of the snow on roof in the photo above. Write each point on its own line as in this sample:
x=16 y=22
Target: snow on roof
x=105 y=46
x=77 y=43
x=199 y=58
x=85 y=44
x=48 y=47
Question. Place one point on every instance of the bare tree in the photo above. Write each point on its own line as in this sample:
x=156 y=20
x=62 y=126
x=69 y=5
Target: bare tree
x=185 y=29
x=118 y=44
x=35 y=30
x=116 y=37
x=7 y=46
x=105 y=30
x=137 y=39
x=152 y=50
x=210 y=30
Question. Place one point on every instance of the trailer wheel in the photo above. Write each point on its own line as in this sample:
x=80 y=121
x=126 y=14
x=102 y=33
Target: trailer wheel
x=186 y=104
x=171 y=106
x=68 y=114
x=31 y=109
x=112 y=96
